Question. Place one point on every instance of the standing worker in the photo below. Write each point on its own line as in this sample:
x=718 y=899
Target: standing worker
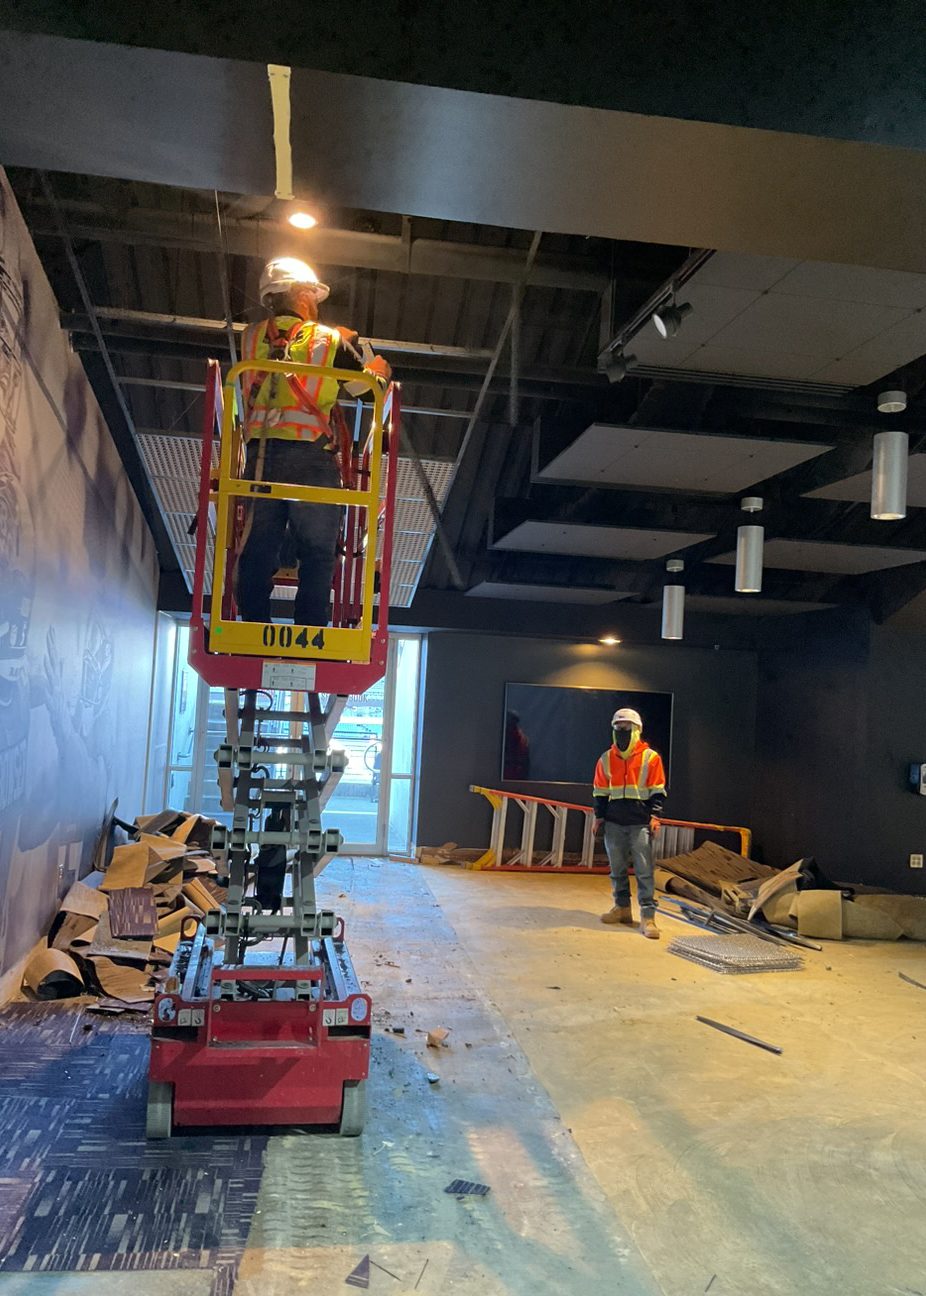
x=290 y=439
x=629 y=793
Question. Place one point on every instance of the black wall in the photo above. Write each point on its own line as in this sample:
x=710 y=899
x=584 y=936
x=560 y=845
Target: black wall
x=714 y=724
x=813 y=772
x=805 y=737
x=896 y=738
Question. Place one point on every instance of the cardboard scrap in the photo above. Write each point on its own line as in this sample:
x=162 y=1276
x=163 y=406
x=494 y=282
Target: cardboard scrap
x=52 y=974
x=182 y=833
x=76 y=929
x=128 y=984
x=200 y=896
x=163 y=822
x=105 y=943
x=437 y=1038
x=84 y=900
x=142 y=862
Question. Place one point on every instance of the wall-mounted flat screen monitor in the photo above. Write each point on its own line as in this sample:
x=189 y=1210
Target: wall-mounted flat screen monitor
x=555 y=735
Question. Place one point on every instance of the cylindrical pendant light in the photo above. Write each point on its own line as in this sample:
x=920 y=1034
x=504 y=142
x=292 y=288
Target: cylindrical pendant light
x=889 y=476
x=673 y=604
x=750 y=542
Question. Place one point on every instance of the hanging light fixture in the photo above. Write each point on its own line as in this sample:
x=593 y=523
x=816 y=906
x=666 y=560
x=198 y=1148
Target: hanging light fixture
x=673 y=604
x=750 y=542
x=892 y=402
x=668 y=318
x=889 y=476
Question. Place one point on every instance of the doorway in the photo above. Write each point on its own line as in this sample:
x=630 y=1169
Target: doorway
x=373 y=805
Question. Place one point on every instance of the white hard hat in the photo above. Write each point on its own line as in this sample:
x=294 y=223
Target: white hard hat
x=284 y=273
x=628 y=717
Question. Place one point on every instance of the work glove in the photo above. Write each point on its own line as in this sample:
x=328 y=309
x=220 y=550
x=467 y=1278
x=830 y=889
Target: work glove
x=654 y=826
x=599 y=824
x=379 y=367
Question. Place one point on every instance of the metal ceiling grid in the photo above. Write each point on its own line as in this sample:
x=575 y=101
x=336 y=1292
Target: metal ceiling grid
x=628 y=456
x=857 y=489
x=830 y=557
x=597 y=541
x=769 y=317
x=544 y=593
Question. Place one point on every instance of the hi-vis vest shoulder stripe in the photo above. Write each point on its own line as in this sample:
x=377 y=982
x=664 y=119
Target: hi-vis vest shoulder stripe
x=638 y=778
x=274 y=405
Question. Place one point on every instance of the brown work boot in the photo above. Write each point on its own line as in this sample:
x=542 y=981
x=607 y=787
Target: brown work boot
x=619 y=914
x=648 y=927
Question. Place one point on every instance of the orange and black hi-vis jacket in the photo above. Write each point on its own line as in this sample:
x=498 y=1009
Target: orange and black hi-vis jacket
x=629 y=791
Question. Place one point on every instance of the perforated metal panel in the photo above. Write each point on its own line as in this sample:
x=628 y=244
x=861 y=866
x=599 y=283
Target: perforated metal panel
x=173 y=466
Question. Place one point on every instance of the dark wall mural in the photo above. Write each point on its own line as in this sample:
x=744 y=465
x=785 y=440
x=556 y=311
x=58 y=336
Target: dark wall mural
x=78 y=581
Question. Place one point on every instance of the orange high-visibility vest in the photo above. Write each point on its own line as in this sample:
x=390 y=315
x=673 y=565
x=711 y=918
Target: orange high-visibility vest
x=282 y=405
x=637 y=778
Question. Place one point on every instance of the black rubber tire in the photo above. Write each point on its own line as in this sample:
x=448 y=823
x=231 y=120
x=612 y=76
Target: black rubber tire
x=353 y=1109
x=160 y=1114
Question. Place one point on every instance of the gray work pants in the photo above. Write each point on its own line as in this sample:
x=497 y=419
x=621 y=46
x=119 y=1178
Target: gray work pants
x=626 y=844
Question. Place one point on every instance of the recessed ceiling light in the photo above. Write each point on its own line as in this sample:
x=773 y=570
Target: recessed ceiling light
x=608 y=640
x=302 y=220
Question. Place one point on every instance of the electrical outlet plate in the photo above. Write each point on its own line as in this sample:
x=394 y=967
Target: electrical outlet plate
x=916 y=861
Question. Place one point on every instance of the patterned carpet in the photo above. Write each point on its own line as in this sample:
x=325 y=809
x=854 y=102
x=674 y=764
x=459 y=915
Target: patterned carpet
x=80 y=1187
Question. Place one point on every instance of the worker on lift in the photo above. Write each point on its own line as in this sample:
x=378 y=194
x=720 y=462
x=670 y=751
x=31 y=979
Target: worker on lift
x=290 y=439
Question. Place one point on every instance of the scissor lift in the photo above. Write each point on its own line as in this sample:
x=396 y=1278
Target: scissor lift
x=243 y=1036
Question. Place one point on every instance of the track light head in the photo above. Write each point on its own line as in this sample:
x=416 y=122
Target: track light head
x=618 y=366
x=668 y=318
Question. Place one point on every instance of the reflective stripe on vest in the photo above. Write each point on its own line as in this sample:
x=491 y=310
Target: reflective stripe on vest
x=275 y=408
x=640 y=789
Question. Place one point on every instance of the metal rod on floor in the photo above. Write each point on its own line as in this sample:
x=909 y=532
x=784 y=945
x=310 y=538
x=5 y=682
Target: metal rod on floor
x=740 y=1035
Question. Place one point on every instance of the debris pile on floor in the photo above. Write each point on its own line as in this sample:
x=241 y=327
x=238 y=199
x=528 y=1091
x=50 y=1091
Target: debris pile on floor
x=735 y=953
x=116 y=930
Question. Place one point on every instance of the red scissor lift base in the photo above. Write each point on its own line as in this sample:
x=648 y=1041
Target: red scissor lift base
x=291 y=1061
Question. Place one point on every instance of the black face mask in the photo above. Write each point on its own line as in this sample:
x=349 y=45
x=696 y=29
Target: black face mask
x=623 y=735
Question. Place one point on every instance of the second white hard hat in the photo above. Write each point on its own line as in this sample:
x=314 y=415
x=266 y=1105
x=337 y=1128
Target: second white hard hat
x=284 y=273
x=628 y=716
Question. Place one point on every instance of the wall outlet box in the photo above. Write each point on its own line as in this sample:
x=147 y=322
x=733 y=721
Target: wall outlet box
x=916 y=861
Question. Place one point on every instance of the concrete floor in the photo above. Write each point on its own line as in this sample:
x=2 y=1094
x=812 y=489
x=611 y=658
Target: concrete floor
x=628 y=1148
x=728 y=1166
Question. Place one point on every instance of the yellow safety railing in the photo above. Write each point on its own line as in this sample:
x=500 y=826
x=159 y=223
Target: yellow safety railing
x=256 y=638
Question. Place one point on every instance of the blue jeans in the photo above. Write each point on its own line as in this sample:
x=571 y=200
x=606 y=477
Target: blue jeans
x=623 y=845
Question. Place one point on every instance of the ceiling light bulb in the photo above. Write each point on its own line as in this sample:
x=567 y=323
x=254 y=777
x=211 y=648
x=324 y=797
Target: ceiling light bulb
x=302 y=220
x=892 y=402
x=608 y=640
x=668 y=318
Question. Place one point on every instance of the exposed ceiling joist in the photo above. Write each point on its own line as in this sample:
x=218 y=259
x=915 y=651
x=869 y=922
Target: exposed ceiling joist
x=260 y=239
x=195 y=323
